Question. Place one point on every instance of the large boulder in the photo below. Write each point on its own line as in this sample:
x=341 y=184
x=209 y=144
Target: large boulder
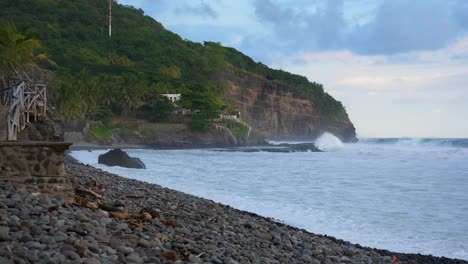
x=117 y=157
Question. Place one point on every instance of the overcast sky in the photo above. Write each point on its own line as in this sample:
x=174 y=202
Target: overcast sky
x=400 y=67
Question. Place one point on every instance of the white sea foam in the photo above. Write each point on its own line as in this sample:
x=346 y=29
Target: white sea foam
x=401 y=198
x=328 y=142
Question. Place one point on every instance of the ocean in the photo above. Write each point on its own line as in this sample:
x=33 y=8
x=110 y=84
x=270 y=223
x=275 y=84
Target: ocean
x=408 y=195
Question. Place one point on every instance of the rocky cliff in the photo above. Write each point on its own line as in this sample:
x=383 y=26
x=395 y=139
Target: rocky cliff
x=273 y=111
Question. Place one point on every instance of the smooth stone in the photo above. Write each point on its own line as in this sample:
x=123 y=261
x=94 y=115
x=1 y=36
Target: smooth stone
x=194 y=259
x=155 y=243
x=152 y=260
x=102 y=214
x=4 y=233
x=93 y=247
x=45 y=256
x=83 y=218
x=36 y=230
x=122 y=226
x=133 y=258
x=265 y=236
x=349 y=252
x=4 y=260
x=105 y=221
x=144 y=243
x=35 y=245
x=119 y=203
x=92 y=261
x=216 y=260
x=125 y=250
x=71 y=255
x=115 y=243
x=59 y=258
x=26 y=238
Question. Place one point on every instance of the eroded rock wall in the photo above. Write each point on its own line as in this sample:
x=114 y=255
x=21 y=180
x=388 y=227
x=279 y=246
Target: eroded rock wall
x=273 y=111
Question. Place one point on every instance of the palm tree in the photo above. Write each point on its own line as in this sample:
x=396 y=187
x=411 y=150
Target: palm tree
x=16 y=49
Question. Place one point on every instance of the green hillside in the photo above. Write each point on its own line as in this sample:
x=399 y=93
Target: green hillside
x=141 y=60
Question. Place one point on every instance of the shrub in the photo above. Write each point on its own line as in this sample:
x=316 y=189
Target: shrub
x=199 y=125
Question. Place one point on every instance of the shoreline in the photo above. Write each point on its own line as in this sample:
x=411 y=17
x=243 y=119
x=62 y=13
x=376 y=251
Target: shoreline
x=183 y=229
x=402 y=257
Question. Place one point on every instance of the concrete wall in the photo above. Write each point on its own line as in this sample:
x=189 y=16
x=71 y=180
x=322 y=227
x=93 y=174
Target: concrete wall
x=36 y=166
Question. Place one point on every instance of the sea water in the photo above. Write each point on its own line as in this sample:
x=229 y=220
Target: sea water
x=405 y=195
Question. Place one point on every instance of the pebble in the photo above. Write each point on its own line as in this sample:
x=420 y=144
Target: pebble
x=4 y=233
x=122 y=226
x=175 y=228
x=91 y=261
x=133 y=258
x=125 y=250
x=4 y=260
x=143 y=243
x=216 y=260
x=91 y=246
x=36 y=230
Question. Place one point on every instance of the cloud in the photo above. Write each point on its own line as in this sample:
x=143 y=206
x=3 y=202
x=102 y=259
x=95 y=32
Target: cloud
x=198 y=8
x=403 y=26
x=393 y=99
x=299 y=27
x=201 y=9
x=397 y=26
x=461 y=13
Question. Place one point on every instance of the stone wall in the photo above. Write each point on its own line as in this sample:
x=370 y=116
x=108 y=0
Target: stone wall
x=3 y=123
x=36 y=166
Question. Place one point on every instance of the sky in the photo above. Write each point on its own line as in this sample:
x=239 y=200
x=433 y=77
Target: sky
x=400 y=67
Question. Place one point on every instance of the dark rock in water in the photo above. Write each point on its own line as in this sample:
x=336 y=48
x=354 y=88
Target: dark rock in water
x=301 y=147
x=117 y=157
x=281 y=148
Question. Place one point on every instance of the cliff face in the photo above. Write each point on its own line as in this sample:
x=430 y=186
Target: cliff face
x=273 y=111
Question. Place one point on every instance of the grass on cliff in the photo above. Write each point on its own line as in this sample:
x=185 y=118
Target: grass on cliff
x=104 y=132
x=238 y=129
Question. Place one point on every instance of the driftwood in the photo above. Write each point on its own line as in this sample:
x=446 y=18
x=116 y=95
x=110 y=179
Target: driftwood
x=108 y=207
x=89 y=195
x=86 y=192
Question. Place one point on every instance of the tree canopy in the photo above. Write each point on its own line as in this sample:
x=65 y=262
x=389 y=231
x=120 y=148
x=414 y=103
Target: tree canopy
x=141 y=54
x=16 y=48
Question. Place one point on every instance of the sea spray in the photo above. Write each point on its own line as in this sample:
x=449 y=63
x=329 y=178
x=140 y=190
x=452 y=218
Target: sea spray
x=328 y=142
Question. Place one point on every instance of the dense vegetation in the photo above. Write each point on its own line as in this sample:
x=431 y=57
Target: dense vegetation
x=16 y=48
x=99 y=74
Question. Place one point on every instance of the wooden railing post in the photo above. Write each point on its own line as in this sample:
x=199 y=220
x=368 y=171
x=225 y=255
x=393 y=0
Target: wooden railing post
x=22 y=103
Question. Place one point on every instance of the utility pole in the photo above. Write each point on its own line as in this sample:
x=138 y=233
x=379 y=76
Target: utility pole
x=110 y=17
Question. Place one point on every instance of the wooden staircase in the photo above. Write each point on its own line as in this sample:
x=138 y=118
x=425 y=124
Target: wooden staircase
x=20 y=102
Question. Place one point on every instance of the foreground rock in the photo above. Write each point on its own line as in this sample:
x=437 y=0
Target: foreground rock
x=118 y=157
x=138 y=222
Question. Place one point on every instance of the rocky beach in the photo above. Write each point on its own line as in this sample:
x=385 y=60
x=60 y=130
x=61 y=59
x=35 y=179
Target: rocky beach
x=117 y=220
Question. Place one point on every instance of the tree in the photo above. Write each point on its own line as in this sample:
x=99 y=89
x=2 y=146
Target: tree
x=68 y=98
x=16 y=49
x=205 y=102
x=160 y=107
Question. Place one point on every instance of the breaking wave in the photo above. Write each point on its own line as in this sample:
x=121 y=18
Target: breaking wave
x=328 y=142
